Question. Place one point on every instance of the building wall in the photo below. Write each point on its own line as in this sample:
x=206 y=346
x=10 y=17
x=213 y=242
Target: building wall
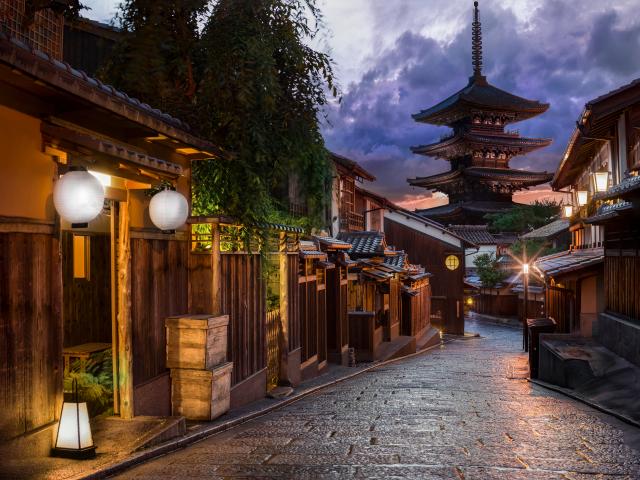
x=471 y=254
x=26 y=182
x=430 y=252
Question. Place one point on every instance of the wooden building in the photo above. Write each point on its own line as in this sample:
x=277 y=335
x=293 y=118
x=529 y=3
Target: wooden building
x=104 y=287
x=479 y=149
x=601 y=167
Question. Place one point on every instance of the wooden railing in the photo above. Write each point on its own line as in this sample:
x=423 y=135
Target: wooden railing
x=351 y=221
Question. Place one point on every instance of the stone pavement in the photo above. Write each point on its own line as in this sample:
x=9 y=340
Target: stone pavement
x=464 y=411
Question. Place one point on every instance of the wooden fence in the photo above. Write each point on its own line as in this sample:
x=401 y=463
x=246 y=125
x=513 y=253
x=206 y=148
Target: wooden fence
x=30 y=330
x=274 y=331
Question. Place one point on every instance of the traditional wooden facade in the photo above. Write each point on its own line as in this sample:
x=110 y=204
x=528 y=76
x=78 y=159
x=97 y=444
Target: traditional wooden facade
x=107 y=287
x=601 y=165
x=479 y=149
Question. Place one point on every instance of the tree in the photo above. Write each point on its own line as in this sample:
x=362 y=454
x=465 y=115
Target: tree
x=262 y=92
x=488 y=270
x=534 y=247
x=524 y=218
x=156 y=58
x=241 y=72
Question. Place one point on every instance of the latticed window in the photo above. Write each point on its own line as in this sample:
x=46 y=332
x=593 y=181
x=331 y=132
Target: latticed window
x=44 y=33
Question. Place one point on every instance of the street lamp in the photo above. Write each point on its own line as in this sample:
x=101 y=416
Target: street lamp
x=525 y=278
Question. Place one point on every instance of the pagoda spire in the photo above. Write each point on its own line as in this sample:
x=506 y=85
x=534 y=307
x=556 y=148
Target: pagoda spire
x=476 y=42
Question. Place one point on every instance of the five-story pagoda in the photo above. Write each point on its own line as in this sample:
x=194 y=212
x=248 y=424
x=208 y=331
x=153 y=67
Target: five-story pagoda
x=479 y=148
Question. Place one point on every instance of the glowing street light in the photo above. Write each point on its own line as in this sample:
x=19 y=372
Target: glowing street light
x=525 y=269
x=568 y=211
x=583 y=197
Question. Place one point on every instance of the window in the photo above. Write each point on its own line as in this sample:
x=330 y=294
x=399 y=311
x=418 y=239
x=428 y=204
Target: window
x=81 y=256
x=452 y=262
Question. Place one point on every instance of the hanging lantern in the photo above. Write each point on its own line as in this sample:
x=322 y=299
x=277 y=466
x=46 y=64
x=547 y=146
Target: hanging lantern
x=601 y=180
x=168 y=210
x=78 y=197
x=582 y=196
x=74 y=439
x=568 y=211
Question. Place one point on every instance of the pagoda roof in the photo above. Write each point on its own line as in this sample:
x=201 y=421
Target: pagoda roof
x=479 y=95
x=485 y=174
x=462 y=210
x=467 y=140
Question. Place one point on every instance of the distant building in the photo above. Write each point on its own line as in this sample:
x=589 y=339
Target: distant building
x=479 y=148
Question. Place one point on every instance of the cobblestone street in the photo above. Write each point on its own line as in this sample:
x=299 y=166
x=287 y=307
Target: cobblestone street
x=464 y=411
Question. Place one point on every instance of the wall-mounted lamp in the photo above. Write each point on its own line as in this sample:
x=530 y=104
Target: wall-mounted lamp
x=582 y=197
x=601 y=180
x=568 y=211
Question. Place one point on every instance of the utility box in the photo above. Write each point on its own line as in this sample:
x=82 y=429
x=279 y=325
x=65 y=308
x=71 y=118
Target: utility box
x=196 y=341
x=201 y=394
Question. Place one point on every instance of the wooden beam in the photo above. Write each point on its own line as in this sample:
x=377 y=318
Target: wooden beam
x=125 y=353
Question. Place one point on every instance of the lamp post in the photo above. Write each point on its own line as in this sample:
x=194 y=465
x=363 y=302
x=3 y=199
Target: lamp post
x=525 y=278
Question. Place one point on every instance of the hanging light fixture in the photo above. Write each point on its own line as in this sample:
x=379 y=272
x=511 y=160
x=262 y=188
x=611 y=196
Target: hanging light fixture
x=168 y=210
x=568 y=211
x=601 y=180
x=582 y=197
x=74 y=439
x=78 y=197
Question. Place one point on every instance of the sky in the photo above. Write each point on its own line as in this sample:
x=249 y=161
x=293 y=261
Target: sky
x=396 y=57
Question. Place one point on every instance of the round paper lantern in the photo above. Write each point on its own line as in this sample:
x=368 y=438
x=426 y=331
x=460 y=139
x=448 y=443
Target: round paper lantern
x=78 y=196
x=168 y=210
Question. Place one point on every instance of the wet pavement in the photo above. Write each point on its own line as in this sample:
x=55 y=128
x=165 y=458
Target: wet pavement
x=463 y=411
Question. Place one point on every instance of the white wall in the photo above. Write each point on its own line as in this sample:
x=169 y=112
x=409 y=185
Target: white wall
x=472 y=253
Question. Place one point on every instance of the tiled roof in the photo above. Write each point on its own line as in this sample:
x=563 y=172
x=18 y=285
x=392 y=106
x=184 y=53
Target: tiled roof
x=569 y=261
x=480 y=94
x=609 y=211
x=352 y=166
x=332 y=243
x=478 y=234
x=364 y=244
x=309 y=250
x=485 y=173
x=64 y=77
x=626 y=186
x=550 y=230
x=398 y=260
x=468 y=139
x=475 y=206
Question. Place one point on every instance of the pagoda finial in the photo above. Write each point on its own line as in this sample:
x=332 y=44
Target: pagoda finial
x=476 y=42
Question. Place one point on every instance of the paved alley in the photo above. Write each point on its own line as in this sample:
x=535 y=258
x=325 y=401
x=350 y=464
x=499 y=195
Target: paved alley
x=464 y=411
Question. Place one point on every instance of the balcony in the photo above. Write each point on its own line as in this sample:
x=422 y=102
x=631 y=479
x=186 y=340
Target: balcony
x=351 y=222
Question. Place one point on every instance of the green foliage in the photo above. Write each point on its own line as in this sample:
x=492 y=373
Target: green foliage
x=534 y=247
x=70 y=9
x=156 y=57
x=95 y=381
x=248 y=82
x=524 y=218
x=488 y=270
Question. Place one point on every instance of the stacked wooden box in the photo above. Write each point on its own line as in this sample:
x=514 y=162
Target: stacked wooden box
x=200 y=373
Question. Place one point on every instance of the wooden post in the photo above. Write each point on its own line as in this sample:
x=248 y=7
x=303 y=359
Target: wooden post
x=114 y=304
x=216 y=271
x=284 y=310
x=125 y=354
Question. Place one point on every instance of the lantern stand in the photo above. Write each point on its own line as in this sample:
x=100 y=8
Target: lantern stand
x=74 y=439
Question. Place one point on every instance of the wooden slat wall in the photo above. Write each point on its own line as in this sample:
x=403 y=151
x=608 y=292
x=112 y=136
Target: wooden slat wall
x=431 y=253
x=322 y=325
x=30 y=332
x=502 y=305
x=159 y=275
x=560 y=304
x=621 y=279
x=294 y=303
x=244 y=300
x=87 y=302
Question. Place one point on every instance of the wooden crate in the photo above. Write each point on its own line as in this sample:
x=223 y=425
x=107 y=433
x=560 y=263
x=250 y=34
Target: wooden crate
x=196 y=341
x=201 y=394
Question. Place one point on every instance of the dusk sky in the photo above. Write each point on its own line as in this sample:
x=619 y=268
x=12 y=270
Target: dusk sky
x=396 y=57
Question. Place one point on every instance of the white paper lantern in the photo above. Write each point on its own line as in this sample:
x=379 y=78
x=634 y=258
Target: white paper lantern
x=78 y=196
x=168 y=210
